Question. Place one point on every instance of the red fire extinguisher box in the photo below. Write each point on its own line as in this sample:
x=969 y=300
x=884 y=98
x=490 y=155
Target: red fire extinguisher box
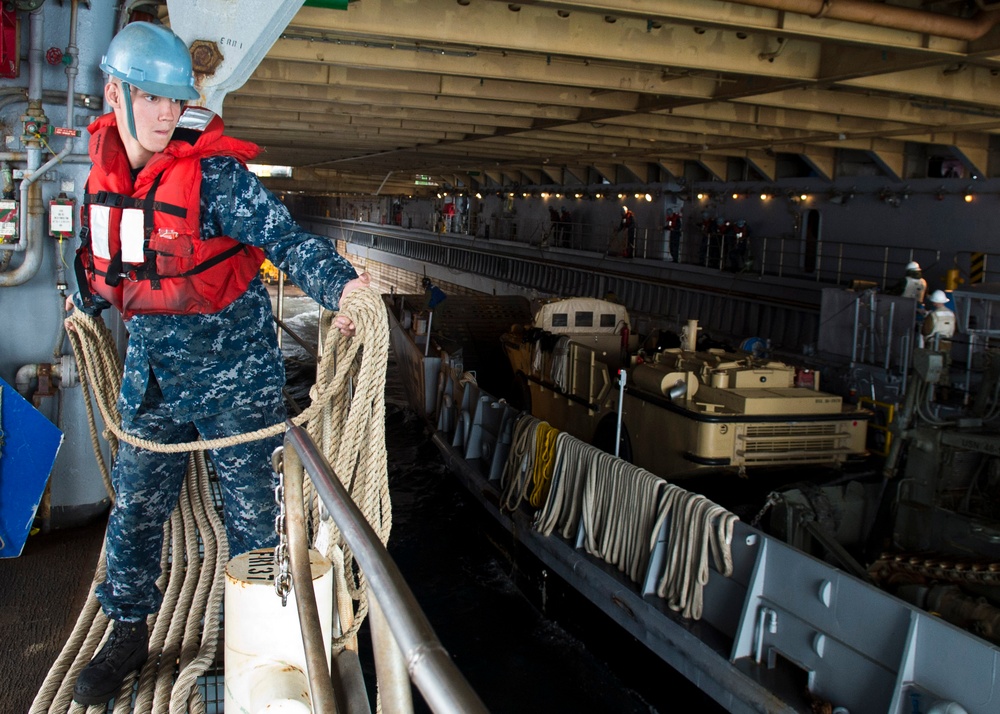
x=10 y=43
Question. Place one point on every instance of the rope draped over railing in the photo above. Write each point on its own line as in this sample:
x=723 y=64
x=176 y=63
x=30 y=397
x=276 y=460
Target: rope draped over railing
x=697 y=527
x=623 y=510
x=349 y=429
x=528 y=471
x=346 y=419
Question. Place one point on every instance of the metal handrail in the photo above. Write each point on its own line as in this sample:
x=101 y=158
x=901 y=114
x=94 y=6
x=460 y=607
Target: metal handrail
x=832 y=261
x=443 y=687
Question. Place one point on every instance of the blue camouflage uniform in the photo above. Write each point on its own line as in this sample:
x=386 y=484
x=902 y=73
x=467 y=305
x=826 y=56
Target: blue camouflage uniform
x=211 y=375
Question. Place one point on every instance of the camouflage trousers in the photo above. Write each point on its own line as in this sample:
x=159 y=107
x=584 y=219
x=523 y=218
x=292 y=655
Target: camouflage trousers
x=147 y=485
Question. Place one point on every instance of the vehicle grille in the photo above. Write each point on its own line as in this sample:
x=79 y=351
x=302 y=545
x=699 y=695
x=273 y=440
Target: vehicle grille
x=791 y=443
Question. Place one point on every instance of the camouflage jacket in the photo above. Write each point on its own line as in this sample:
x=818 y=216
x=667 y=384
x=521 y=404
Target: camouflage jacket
x=206 y=364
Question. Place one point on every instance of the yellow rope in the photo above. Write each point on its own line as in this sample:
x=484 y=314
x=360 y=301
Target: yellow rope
x=545 y=459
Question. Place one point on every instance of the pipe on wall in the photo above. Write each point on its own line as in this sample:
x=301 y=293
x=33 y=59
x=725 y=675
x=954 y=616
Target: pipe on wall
x=31 y=210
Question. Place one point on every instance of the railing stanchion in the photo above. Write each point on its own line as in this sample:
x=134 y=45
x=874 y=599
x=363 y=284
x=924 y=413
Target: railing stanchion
x=393 y=679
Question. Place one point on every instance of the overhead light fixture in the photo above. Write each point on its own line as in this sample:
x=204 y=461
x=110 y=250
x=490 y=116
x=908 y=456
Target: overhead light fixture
x=479 y=195
x=649 y=198
x=701 y=197
x=764 y=196
x=969 y=196
x=736 y=195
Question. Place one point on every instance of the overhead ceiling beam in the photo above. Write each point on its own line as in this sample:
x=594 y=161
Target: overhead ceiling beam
x=756 y=17
x=532 y=29
x=763 y=163
x=717 y=166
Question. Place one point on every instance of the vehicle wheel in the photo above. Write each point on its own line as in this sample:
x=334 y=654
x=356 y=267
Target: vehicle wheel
x=604 y=438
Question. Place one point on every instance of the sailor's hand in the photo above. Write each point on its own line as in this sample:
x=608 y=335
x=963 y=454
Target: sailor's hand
x=362 y=281
x=69 y=304
x=344 y=324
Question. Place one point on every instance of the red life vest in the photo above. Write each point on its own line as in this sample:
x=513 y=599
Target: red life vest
x=142 y=251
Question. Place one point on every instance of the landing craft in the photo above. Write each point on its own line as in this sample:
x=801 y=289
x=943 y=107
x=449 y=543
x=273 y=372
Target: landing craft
x=683 y=411
x=817 y=128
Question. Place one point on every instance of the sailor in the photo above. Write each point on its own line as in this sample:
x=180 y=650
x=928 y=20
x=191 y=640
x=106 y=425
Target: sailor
x=739 y=252
x=448 y=214
x=673 y=226
x=433 y=295
x=628 y=225
x=202 y=356
x=939 y=324
x=912 y=285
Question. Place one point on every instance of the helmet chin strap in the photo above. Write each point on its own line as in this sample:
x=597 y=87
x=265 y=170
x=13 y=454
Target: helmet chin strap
x=127 y=96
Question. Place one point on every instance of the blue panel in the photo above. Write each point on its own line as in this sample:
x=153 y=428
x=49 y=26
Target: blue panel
x=29 y=448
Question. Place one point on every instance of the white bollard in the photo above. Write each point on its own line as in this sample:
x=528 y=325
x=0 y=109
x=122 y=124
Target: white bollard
x=265 y=660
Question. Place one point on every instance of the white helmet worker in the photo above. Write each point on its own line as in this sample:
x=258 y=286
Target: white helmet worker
x=938 y=297
x=913 y=265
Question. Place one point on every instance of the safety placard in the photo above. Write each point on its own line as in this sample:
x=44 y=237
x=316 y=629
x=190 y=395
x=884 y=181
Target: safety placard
x=8 y=218
x=61 y=218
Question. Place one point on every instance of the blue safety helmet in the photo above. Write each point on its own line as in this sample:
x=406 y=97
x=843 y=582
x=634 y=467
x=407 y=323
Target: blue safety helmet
x=152 y=58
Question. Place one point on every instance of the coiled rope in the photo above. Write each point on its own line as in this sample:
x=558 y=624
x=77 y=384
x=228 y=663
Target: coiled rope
x=562 y=507
x=530 y=463
x=514 y=481
x=181 y=650
x=623 y=509
x=620 y=503
x=697 y=526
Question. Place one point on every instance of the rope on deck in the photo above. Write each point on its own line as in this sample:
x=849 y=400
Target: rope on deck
x=349 y=426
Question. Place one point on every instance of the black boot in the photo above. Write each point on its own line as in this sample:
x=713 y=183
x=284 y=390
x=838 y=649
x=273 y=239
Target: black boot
x=125 y=650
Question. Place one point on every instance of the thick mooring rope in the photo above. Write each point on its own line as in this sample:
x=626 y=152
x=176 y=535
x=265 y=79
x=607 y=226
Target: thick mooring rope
x=518 y=477
x=624 y=508
x=697 y=527
x=355 y=445
x=181 y=650
x=530 y=463
x=619 y=509
x=569 y=475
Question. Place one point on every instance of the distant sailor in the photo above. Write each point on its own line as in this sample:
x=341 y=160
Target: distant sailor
x=912 y=284
x=939 y=325
x=433 y=295
x=628 y=226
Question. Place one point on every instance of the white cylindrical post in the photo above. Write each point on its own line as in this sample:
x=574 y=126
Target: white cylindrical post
x=265 y=661
x=692 y=335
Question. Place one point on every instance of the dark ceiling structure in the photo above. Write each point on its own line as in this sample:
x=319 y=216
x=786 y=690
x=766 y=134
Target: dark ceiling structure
x=484 y=92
